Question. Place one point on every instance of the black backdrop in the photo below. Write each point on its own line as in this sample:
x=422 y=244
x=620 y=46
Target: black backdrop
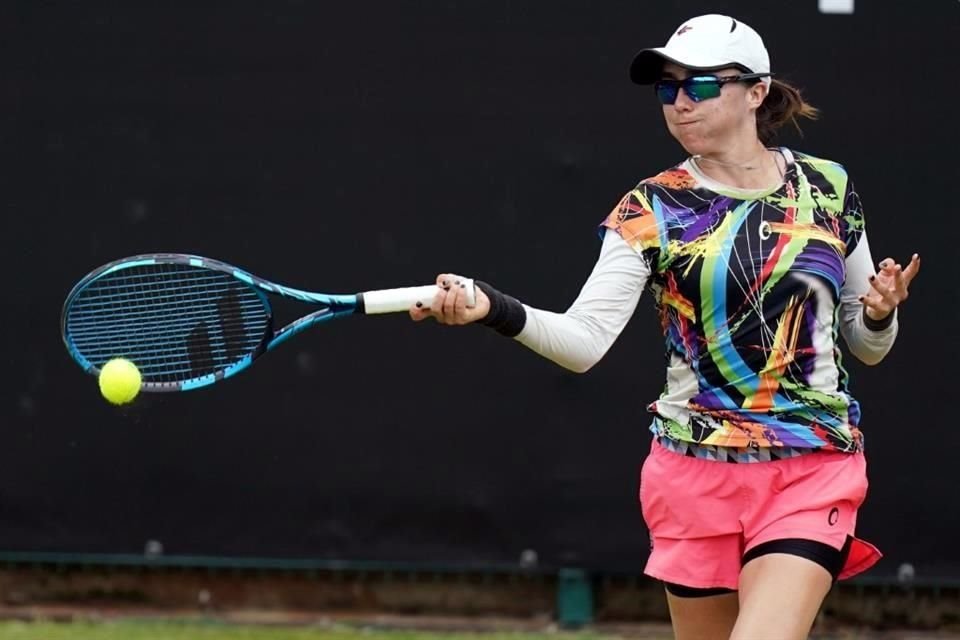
x=364 y=144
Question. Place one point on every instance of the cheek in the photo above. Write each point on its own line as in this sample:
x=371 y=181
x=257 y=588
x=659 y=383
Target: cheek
x=667 y=119
x=734 y=108
x=710 y=116
x=718 y=117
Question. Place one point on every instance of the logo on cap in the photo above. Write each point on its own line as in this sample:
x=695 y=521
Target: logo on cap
x=684 y=29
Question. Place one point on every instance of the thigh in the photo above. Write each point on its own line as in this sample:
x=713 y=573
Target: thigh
x=703 y=618
x=765 y=612
x=692 y=509
x=813 y=497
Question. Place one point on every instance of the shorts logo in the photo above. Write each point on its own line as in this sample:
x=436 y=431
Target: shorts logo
x=833 y=517
x=684 y=29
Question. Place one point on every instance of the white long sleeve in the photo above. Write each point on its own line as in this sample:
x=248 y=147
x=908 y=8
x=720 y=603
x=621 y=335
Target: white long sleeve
x=867 y=345
x=578 y=338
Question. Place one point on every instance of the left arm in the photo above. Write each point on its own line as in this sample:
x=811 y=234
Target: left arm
x=869 y=339
x=868 y=300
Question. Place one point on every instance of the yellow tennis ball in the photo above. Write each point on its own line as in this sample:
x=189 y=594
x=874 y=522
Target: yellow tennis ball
x=119 y=381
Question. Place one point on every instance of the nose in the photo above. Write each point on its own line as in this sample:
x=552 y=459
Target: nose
x=683 y=101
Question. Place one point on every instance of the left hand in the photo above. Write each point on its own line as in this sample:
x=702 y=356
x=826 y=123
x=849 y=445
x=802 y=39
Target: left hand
x=889 y=287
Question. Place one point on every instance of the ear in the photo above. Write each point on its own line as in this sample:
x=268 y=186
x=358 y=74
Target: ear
x=756 y=94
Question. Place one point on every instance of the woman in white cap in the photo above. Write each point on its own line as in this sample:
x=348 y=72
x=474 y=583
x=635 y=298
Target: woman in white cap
x=757 y=258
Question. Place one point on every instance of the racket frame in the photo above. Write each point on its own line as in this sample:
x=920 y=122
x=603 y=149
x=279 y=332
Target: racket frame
x=333 y=306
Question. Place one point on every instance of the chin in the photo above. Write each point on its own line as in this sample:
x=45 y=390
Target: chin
x=691 y=141
x=693 y=145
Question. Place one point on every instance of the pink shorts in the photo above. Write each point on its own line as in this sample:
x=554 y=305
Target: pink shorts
x=703 y=515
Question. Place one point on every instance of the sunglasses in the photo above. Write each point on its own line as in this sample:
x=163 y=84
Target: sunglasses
x=699 y=88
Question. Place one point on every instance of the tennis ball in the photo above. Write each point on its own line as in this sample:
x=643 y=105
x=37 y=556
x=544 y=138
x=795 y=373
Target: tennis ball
x=119 y=381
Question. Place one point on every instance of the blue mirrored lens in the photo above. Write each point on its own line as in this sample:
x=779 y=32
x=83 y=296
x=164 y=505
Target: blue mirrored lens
x=697 y=88
x=666 y=92
x=701 y=88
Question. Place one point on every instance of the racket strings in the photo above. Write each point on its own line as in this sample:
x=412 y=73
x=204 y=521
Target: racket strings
x=174 y=321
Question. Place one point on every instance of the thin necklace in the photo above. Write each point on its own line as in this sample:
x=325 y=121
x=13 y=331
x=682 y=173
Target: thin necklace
x=696 y=158
x=747 y=167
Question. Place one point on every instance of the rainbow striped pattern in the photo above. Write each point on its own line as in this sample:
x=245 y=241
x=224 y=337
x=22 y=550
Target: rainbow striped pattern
x=748 y=291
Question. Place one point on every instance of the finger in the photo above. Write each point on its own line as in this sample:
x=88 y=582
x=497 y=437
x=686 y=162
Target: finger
x=888 y=273
x=912 y=269
x=450 y=303
x=436 y=307
x=899 y=284
x=885 y=292
x=460 y=306
x=886 y=263
x=876 y=303
x=420 y=312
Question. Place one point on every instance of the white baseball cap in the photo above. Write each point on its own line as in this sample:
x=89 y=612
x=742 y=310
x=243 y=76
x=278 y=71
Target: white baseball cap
x=705 y=43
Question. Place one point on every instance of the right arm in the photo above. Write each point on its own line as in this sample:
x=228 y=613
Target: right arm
x=575 y=339
x=578 y=338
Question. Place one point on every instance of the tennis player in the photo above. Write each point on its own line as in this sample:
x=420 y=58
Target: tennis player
x=757 y=258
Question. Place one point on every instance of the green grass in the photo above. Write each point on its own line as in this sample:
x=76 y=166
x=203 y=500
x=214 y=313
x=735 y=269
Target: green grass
x=142 y=630
x=129 y=629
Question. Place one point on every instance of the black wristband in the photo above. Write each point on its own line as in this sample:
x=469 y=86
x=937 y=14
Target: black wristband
x=877 y=325
x=506 y=316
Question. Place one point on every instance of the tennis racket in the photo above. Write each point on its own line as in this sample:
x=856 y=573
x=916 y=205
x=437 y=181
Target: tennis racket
x=187 y=322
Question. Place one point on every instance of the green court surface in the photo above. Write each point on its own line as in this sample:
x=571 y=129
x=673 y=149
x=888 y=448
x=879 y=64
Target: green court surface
x=152 y=629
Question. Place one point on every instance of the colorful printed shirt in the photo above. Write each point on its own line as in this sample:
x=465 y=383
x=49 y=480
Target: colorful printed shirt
x=751 y=289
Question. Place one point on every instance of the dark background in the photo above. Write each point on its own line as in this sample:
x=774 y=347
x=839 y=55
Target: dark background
x=348 y=146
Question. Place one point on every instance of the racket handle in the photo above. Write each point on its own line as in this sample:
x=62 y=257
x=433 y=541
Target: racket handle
x=395 y=300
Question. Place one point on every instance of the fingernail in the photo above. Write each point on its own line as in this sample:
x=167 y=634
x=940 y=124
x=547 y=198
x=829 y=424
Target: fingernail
x=456 y=282
x=446 y=283
x=463 y=286
x=419 y=304
x=872 y=278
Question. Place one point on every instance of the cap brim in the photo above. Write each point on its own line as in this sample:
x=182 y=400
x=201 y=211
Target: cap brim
x=647 y=65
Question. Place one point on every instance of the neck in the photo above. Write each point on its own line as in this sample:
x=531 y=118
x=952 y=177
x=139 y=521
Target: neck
x=745 y=166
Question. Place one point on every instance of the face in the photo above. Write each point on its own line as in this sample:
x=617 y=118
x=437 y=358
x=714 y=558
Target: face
x=710 y=125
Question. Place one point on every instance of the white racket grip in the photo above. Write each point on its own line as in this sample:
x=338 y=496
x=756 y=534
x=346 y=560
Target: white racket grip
x=395 y=300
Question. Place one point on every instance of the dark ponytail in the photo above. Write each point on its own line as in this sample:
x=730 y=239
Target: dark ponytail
x=783 y=105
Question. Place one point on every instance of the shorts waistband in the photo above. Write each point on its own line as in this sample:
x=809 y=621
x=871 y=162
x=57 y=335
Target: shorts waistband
x=740 y=455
